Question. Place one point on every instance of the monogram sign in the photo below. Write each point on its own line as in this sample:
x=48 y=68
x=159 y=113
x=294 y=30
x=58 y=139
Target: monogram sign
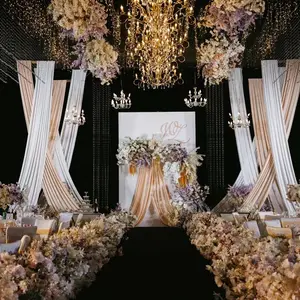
x=171 y=131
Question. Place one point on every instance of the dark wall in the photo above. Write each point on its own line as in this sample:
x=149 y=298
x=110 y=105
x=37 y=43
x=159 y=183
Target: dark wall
x=14 y=133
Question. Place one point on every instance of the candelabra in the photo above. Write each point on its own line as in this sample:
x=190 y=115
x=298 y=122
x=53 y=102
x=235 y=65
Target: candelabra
x=121 y=102
x=74 y=118
x=196 y=99
x=239 y=122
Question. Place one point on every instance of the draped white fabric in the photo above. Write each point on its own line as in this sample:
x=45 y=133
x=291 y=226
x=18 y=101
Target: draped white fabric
x=278 y=138
x=56 y=191
x=69 y=133
x=38 y=134
x=243 y=137
x=287 y=81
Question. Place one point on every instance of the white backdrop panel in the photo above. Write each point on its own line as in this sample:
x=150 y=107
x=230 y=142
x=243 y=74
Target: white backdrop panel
x=171 y=126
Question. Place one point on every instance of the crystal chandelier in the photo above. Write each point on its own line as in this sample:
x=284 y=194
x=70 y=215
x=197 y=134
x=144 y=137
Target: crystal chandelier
x=74 y=118
x=239 y=122
x=196 y=99
x=157 y=39
x=121 y=102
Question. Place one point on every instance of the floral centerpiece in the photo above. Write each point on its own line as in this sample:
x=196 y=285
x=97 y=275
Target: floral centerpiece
x=10 y=195
x=58 y=267
x=142 y=152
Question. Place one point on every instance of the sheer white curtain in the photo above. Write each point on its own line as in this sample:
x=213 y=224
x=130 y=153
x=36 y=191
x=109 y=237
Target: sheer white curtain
x=243 y=137
x=277 y=130
x=56 y=191
x=38 y=134
x=69 y=132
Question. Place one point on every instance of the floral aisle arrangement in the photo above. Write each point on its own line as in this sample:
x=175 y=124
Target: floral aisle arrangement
x=85 y=21
x=56 y=268
x=229 y=23
x=10 y=195
x=247 y=267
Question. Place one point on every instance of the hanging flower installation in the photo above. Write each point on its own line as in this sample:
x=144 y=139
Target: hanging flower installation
x=99 y=58
x=230 y=23
x=217 y=56
x=85 y=22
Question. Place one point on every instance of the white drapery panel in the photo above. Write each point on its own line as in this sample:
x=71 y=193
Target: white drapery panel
x=38 y=133
x=69 y=133
x=265 y=184
x=243 y=137
x=68 y=136
x=57 y=193
x=277 y=131
x=289 y=83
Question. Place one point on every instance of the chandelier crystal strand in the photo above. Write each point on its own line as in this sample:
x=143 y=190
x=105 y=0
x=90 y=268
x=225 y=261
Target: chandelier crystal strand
x=74 y=118
x=195 y=100
x=239 y=121
x=157 y=38
x=121 y=102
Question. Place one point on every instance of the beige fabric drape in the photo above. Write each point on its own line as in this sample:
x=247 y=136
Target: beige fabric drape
x=142 y=196
x=290 y=95
x=56 y=192
x=151 y=190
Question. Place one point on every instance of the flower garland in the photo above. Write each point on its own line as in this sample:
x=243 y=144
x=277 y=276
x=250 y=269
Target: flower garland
x=85 y=21
x=142 y=152
x=248 y=268
x=56 y=268
x=230 y=23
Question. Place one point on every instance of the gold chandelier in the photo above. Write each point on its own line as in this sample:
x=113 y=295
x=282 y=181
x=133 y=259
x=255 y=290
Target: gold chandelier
x=157 y=39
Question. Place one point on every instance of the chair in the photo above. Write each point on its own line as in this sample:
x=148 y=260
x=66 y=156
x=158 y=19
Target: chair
x=253 y=226
x=240 y=218
x=263 y=214
x=14 y=234
x=45 y=227
x=273 y=223
x=27 y=221
x=79 y=219
x=228 y=217
x=63 y=225
x=65 y=217
x=289 y=222
x=10 y=247
x=274 y=217
x=279 y=232
x=25 y=241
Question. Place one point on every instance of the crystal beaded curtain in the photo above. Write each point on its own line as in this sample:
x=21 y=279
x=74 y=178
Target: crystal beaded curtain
x=101 y=143
x=32 y=16
x=215 y=140
x=15 y=44
x=279 y=35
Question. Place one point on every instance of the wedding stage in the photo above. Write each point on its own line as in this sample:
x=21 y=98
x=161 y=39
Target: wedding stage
x=149 y=142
